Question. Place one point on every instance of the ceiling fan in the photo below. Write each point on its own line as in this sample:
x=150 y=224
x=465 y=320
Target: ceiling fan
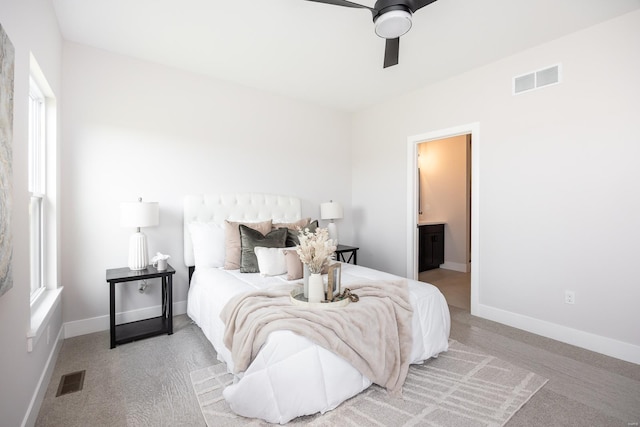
x=392 y=19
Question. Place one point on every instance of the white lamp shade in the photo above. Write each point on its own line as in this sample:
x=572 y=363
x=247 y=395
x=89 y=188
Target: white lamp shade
x=331 y=210
x=139 y=214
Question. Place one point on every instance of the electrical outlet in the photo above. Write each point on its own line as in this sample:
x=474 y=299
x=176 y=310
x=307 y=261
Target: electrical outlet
x=569 y=297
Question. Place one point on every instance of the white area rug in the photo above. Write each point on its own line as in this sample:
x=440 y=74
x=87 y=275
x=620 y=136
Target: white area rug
x=462 y=387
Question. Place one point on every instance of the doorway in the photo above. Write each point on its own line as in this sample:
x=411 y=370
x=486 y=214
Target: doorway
x=444 y=205
x=459 y=275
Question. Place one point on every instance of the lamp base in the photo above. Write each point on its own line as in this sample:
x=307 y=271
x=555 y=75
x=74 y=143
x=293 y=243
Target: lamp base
x=333 y=232
x=138 y=255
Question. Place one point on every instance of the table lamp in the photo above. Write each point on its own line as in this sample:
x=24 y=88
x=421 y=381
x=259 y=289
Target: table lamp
x=136 y=215
x=331 y=211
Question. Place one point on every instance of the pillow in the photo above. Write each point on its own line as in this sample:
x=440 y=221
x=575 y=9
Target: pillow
x=294 y=265
x=292 y=234
x=271 y=261
x=292 y=225
x=207 y=239
x=251 y=238
x=232 y=240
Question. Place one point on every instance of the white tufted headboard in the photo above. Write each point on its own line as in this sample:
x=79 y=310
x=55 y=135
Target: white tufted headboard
x=235 y=207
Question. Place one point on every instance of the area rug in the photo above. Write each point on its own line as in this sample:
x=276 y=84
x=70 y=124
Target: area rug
x=462 y=387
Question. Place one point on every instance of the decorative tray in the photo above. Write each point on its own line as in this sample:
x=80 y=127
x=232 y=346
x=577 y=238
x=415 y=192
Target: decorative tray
x=297 y=298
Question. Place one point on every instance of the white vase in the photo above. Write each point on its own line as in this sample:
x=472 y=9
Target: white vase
x=316 y=287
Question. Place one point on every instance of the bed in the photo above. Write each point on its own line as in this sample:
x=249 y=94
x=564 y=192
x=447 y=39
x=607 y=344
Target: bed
x=291 y=376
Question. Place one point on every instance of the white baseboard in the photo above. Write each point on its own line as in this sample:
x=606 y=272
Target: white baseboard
x=101 y=323
x=599 y=344
x=455 y=266
x=43 y=383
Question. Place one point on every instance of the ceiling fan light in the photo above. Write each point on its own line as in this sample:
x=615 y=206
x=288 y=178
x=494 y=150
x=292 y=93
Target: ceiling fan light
x=393 y=24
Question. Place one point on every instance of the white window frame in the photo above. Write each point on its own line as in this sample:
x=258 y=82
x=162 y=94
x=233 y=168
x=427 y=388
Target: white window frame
x=37 y=186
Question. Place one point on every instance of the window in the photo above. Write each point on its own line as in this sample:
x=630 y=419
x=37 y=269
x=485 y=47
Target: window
x=43 y=219
x=37 y=186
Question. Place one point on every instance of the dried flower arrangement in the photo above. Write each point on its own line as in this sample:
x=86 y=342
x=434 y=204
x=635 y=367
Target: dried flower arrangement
x=315 y=249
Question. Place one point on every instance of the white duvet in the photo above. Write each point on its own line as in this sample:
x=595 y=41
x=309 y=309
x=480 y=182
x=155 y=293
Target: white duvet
x=292 y=376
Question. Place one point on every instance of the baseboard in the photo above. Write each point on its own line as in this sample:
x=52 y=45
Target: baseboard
x=599 y=344
x=31 y=416
x=101 y=323
x=455 y=266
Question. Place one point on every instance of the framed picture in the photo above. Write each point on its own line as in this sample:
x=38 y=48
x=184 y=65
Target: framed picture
x=333 y=284
x=7 y=55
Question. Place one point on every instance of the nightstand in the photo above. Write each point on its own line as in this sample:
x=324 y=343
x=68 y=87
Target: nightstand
x=132 y=331
x=342 y=250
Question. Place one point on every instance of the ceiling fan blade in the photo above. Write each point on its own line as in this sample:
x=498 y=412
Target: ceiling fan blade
x=391 y=52
x=343 y=3
x=419 y=4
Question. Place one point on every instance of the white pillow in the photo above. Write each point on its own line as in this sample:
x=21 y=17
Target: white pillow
x=208 y=244
x=271 y=261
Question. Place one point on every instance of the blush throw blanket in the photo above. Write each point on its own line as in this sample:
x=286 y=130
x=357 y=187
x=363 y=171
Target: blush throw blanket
x=373 y=334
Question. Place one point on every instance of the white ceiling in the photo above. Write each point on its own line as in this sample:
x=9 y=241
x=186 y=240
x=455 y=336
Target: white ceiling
x=322 y=53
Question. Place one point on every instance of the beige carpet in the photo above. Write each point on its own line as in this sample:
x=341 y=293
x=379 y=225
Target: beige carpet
x=462 y=387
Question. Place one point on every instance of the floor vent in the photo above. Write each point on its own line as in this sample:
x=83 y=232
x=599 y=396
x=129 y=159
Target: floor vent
x=536 y=79
x=70 y=383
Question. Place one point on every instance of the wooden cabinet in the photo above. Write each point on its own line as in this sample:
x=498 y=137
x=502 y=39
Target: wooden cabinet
x=431 y=246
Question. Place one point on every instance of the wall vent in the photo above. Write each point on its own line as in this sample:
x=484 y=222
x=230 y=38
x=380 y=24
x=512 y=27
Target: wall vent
x=536 y=79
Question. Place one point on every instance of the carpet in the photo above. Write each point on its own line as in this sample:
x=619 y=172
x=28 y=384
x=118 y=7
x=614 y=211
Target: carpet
x=462 y=387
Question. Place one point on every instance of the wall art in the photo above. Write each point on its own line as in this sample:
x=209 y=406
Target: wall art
x=7 y=61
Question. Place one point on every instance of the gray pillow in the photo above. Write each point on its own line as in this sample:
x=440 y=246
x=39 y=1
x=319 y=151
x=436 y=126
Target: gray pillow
x=292 y=235
x=250 y=238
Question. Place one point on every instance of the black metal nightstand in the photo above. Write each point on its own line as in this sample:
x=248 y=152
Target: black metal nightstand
x=127 y=332
x=341 y=250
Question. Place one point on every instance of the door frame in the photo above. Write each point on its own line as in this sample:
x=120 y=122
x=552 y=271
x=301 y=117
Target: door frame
x=412 y=201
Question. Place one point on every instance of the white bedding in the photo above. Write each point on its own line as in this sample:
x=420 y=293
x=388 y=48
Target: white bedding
x=292 y=376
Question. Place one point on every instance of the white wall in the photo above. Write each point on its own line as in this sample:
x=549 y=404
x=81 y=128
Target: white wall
x=32 y=28
x=558 y=185
x=132 y=128
x=444 y=182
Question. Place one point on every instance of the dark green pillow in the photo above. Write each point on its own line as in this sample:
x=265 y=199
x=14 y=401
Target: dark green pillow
x=250 y=238
x=292 y=235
